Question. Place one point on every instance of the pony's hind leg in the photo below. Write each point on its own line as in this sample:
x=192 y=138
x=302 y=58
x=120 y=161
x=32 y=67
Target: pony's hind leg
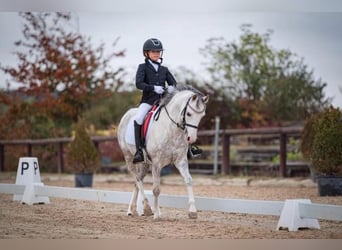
x=141 y=171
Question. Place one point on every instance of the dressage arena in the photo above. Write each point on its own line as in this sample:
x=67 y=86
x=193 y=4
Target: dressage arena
x=77 y=219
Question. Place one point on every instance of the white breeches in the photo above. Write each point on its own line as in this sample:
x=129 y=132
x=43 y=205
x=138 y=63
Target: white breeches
x=141 y=113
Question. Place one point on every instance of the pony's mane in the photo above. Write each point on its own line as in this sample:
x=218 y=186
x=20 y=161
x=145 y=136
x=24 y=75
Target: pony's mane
x=179 y=87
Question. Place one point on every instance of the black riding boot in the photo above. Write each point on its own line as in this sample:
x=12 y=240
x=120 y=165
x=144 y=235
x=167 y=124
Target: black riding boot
x=194 y=151
x=139 y=155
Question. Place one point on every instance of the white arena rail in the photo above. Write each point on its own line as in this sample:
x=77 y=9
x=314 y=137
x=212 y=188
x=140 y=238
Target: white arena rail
x=12 y=188
x=320 y=211
x=294 y=213
x=174 y=201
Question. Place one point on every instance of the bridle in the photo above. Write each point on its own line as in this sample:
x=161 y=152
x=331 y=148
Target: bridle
x=184 y=124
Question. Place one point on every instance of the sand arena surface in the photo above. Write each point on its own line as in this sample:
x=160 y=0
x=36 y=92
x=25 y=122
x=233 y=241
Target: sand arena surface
x=75 y=219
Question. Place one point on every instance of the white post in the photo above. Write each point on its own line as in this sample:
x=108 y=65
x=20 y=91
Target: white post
x=216 y=144
x=28 y=174
x=290 y=217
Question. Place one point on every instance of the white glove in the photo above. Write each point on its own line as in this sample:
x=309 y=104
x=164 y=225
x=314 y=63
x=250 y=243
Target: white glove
x=159 y=89
x=170 y=89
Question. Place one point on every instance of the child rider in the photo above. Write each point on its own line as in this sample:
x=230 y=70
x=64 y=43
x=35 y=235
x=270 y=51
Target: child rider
x=151 y=77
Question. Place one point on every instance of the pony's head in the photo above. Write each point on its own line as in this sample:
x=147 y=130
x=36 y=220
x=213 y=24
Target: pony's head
x=192 y=112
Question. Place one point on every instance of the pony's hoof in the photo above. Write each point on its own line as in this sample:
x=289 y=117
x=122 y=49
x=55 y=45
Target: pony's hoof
x=192 y=215
x=132 y=213
x=156 y=217
x=148 y=211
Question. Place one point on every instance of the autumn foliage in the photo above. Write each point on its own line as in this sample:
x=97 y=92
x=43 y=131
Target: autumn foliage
x=59 y=74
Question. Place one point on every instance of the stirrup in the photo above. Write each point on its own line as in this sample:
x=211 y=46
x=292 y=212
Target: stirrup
x=194 y=151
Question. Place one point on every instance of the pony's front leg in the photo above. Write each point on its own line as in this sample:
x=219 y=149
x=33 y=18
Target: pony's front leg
x=184 y=171
x=146 y=205
x=132 y=208
x=156 y=191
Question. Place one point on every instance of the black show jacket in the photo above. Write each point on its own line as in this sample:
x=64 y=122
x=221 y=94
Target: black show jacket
x=147 y=77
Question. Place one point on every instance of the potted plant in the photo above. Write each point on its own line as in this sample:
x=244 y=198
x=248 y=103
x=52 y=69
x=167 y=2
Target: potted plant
x=83 y=159
x=322 y=145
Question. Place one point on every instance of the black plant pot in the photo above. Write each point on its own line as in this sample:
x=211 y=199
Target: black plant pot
x=84 y=179
x=329 y=185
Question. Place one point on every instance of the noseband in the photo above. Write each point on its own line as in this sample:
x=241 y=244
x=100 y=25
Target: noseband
x=184 y=124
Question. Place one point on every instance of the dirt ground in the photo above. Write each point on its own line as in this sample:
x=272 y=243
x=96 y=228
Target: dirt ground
x=75 y=219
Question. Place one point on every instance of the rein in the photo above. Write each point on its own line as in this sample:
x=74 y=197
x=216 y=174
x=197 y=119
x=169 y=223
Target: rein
x=184 y=124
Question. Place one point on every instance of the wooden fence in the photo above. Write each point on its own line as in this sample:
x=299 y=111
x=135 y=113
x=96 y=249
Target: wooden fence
x=60 y=142
x=225 y=135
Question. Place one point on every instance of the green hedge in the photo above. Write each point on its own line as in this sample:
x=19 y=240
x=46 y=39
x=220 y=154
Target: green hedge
x=322 y=141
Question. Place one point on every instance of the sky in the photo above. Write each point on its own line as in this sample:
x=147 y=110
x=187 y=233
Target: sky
x=309 y=28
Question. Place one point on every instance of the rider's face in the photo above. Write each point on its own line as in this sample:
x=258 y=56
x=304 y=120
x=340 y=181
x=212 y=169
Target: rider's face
x=154 y=55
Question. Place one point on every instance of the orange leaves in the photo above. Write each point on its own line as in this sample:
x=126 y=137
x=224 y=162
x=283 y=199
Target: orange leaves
x=60 y=72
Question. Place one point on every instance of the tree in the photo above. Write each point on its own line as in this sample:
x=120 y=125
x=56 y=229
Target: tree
x=269 y=86
x=59 y=70
x=82 y=156
x=107 y=112
x=218 y=105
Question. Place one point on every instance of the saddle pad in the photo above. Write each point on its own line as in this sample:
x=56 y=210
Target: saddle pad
x=129 y=135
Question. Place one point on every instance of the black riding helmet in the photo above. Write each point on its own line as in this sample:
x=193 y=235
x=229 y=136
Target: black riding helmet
x=153 y=44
